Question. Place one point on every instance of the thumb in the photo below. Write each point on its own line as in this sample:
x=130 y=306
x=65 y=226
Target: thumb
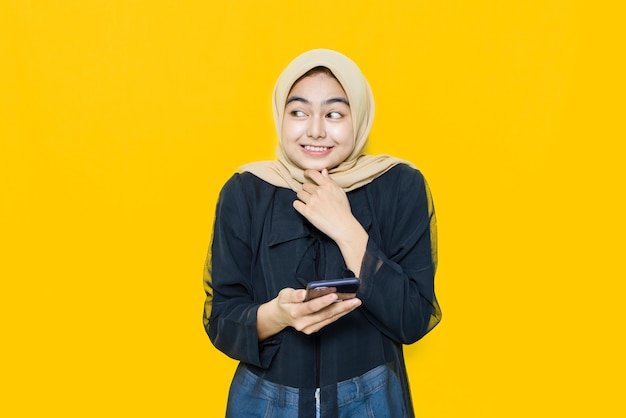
x=299 y=295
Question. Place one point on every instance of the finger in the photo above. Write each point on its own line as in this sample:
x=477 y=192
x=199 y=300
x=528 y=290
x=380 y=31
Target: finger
x=299 y=206
x=337 y=311
x=329 y=310
x=309 y=313
x=319 y=176
x=298 y=295
x=309 y=188
x=316 y=176
x=303 y=195
x=318 y=304
x=286 y=295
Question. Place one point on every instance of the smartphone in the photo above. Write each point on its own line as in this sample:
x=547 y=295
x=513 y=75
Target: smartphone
x=345 y=288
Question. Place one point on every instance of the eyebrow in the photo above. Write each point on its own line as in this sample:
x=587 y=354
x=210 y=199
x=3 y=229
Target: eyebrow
x=325 y=102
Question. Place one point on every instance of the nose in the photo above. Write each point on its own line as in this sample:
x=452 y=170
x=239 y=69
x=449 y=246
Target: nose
x=316 y=128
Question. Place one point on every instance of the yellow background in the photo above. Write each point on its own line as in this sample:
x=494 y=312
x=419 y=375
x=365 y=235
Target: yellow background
x=120 y=120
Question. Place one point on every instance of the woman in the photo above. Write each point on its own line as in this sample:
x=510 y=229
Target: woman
x=323 y=210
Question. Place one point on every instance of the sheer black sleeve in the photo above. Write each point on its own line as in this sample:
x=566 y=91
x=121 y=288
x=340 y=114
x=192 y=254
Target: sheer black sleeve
x=398 y=271
x=230 y=312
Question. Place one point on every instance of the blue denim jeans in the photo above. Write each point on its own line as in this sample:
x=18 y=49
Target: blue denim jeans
x=375 y=394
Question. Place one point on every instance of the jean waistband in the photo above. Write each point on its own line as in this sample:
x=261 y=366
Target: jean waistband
x=266 y=389
x=347 y=390
x=361 y=386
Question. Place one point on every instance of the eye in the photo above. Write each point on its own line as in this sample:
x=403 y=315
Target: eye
x=334 y=115
x=297 y=113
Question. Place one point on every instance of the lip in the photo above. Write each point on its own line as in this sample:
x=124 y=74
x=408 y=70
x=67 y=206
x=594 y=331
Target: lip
x=316 y=150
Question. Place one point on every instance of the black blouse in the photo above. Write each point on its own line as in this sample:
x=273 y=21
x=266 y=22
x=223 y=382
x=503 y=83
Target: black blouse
x=262 y=245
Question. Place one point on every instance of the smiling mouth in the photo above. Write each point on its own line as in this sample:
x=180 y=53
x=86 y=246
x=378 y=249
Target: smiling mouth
x=316 y=149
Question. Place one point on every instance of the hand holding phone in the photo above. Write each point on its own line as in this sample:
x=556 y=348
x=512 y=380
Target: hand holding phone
x=345 y=288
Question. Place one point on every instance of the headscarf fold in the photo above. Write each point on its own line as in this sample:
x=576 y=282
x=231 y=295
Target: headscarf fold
x=359 y=168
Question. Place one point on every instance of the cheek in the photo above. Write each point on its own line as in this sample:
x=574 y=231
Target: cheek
x=290 y=131
x=344 y=135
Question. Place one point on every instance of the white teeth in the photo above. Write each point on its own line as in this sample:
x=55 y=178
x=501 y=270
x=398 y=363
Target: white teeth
x=315 y=149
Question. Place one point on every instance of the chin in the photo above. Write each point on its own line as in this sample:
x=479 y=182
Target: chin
x=315 y=167
x=311 y=166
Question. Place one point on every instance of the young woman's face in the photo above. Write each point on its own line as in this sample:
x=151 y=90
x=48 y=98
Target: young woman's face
x=317 y=129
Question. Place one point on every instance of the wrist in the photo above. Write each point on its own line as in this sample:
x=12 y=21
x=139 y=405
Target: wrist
x=353 y=246
x=354 y=234
x=268 y=320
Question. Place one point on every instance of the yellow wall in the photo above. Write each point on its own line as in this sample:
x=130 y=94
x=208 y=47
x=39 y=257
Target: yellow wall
x=120 y=120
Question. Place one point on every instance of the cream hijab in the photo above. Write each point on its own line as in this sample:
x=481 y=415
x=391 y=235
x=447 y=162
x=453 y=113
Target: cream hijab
x=358 y=169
